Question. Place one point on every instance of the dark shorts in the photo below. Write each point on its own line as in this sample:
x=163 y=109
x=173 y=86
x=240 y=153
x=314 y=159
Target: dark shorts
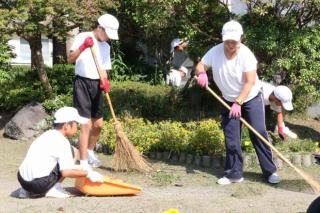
x=40 y=186
x=87 y=97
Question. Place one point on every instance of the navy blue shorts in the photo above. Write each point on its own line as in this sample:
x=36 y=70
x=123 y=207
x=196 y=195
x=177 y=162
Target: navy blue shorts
x=40 y=186
x=87 y=97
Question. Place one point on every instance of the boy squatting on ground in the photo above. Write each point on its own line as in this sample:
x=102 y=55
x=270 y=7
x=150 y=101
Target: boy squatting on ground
x=50 y=159
x=280 y=100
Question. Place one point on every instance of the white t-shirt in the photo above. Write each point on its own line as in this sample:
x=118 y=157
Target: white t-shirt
x=227 y=74
x=85 y=65
x=43 y=155
x=267 y=90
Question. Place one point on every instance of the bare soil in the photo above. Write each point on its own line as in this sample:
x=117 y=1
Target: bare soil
x=170 y=185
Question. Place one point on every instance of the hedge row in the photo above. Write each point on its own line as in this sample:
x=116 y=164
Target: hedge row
x=200 y=138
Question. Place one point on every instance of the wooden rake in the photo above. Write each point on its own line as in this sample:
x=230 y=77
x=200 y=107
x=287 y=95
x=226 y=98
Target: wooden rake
x=126 y=157
x=309 y=179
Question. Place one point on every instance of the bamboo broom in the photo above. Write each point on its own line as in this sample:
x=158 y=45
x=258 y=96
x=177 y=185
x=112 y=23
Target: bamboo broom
x=126 y=157
x=309 y=179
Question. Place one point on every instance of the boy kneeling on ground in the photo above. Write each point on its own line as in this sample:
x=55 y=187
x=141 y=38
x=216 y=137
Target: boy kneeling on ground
x=50 y=159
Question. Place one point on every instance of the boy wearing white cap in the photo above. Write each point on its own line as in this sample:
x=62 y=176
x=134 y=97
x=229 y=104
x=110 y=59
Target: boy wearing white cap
x=87 y=95
x=50 y=159
x=234 y=70
x=181 y=64
x=280 y=100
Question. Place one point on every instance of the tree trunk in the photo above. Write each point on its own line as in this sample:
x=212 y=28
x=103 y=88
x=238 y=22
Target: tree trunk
x=38 y=63
x=59 y=51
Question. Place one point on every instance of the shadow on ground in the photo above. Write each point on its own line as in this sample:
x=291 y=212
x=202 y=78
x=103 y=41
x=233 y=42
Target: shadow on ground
x=304 y=132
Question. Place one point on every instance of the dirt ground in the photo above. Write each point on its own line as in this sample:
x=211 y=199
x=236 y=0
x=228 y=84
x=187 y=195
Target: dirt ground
x=186 y=188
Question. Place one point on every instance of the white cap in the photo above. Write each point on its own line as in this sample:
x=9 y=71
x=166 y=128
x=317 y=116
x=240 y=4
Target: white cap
x=110 y=25
x=232 y=30
x=175 y=42
x=284 y=94
x=67 y=114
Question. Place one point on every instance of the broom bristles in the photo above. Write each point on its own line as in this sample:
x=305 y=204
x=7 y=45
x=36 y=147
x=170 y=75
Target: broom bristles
x=126 y=157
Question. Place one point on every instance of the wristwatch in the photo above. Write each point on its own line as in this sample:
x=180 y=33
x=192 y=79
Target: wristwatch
x=239 y=101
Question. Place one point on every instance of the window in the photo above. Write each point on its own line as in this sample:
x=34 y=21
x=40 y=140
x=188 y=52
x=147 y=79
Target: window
x=23 y=51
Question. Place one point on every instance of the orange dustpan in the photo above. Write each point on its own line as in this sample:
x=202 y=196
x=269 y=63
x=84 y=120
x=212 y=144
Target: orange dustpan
x=110 y=187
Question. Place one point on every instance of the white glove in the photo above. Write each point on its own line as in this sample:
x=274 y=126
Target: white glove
x=289 y=133
x=95 y=176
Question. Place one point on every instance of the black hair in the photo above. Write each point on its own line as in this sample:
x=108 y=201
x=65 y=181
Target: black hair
x=59 y=126
x=96 y=24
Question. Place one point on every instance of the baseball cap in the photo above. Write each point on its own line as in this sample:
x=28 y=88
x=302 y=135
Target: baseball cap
x=284 y=94
x=110 y=25
x=67 y=114
x=176 y=42
x=232 y=30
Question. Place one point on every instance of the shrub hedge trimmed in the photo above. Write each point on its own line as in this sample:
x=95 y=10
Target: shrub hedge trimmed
x=200 y=138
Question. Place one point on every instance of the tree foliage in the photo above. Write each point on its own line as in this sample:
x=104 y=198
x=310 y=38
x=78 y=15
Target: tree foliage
x=284 y=35
x=151 y=25
x=32 y=19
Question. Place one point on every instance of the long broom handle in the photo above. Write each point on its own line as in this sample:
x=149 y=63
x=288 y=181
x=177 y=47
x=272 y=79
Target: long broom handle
x=100 y=74
x=313 y=183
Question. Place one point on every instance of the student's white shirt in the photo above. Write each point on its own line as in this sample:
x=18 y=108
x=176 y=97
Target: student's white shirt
x=174 y=78
x=267 y=90
x=227 y=74
x=43 y=155
x=85 y=65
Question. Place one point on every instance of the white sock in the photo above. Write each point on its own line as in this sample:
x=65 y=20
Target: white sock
x=91 y=153
x=84 y=163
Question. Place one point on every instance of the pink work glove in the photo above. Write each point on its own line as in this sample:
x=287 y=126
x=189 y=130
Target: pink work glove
x=235 y=111
x=105 y=85
x=281 y=133
x=88 y=42
x=203 y=80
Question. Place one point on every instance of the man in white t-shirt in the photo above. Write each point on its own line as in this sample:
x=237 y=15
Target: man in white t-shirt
x=234 y=72
x=87 y=94
x=279 y=98
x=50 y=159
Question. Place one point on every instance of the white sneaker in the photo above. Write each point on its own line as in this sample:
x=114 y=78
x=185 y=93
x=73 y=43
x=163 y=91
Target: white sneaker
x=274 y=178
x=94 y=161
x=56 y=192
x=226 y=181
x=23 y=193
x=60 y=188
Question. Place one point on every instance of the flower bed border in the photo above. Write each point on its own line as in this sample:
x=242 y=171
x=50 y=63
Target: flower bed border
x=217 y=161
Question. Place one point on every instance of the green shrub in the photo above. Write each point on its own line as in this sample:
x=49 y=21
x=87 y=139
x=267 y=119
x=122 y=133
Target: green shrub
x=20 y=85
x=141 y=133
x=173 y=137
x=246 y=144
x=283 y=49
x=59 y=101
x=61 y=78
x=203 y=137
x=207 y=138
x=299 y=146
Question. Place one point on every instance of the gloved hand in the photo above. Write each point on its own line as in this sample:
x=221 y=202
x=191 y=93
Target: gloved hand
x=235 y=111
x=203 y=80
x=88 y=42
x=281 y=133
x=105 y=85
x=94 y=176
